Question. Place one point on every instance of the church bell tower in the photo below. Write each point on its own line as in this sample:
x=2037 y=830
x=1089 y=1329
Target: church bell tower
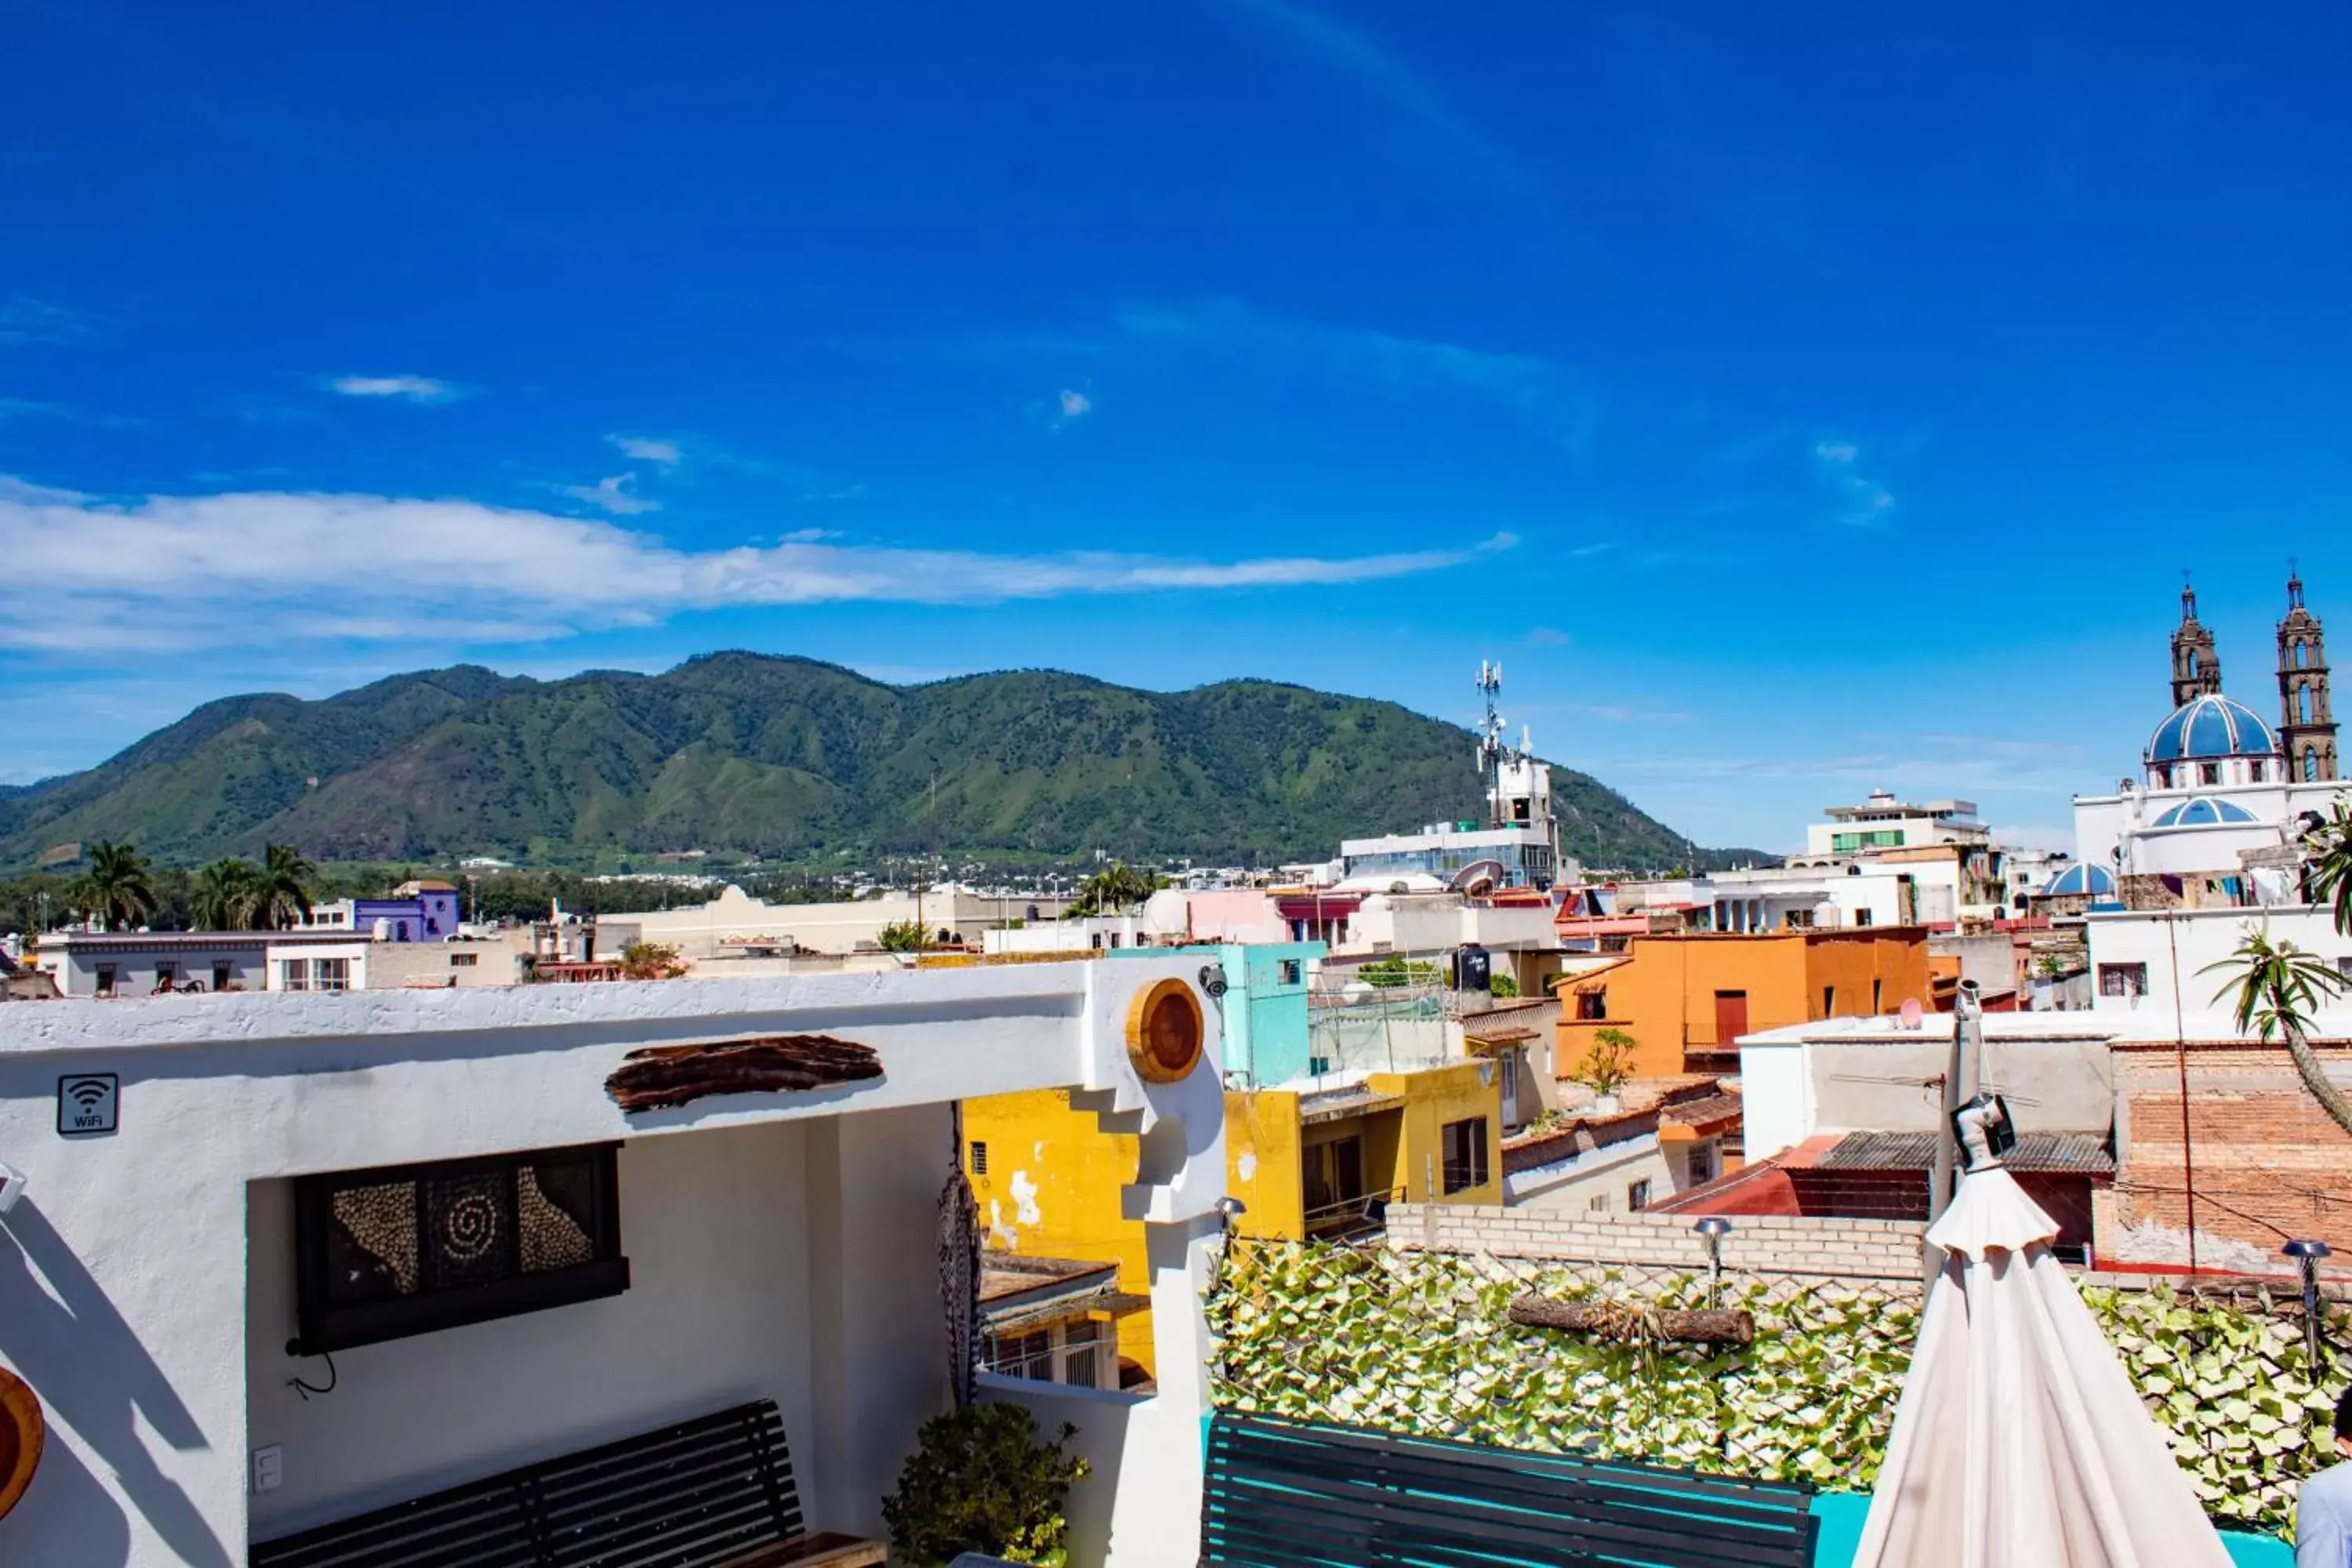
x=2195 y=667
x=2307 y=724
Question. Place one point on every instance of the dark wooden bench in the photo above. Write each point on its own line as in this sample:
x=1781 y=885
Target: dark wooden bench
x=1296 y=1494
x=714 y=1492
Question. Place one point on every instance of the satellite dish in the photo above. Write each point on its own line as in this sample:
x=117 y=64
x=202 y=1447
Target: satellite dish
x=1478 y=878
x=1911 y=1012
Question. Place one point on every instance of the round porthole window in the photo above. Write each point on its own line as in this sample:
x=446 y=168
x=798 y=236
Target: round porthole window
x=1164 y=1031
x=20 y=1438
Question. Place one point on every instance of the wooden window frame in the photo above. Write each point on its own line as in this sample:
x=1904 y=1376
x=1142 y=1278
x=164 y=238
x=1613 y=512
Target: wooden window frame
x=321 y=1325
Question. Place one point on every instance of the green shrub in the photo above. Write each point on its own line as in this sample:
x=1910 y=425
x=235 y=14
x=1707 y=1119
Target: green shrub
x=981 y=1479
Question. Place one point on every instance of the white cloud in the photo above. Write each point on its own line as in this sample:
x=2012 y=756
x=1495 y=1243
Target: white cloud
x=1076 y=405
x=648 y=449
x=88 y=574
x=1538 y=392
x=407 y=388
x=25 y=319
x=1862 y=501
x=1342 y=48
x=613 y=494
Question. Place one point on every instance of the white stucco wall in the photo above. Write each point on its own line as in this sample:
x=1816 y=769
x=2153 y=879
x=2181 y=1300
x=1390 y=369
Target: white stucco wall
x=2202 y=937
x=779 y=1244
x=716 y=1228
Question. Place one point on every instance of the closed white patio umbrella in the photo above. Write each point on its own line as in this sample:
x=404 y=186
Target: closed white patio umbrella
x=2020 y=1441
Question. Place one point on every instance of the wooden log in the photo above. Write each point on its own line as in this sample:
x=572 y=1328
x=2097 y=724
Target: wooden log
x=663 y=1075
x=1616 y=1320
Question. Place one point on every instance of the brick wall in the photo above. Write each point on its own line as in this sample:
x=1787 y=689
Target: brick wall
x=1881 y=1254
x=2269 y=1163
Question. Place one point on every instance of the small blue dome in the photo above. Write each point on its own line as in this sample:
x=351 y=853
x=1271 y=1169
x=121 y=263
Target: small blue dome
x=2081 y=879
x=2212 y=726
x=2203 y=812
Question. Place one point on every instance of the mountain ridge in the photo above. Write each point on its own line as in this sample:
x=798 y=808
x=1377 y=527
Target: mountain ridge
x=788 y=758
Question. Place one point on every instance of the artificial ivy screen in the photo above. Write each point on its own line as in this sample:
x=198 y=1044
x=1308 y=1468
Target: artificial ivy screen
x=1420 y=1343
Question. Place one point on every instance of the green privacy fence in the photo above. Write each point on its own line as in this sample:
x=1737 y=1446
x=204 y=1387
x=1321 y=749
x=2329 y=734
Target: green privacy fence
x=1419 y=1344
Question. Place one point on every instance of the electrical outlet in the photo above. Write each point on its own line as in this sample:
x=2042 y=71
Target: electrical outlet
x=268 y=1468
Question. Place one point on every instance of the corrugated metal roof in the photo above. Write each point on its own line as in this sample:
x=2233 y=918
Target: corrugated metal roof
x=2085 y=1153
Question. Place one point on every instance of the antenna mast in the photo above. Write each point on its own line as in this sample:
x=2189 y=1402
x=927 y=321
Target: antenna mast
x=1490 y=740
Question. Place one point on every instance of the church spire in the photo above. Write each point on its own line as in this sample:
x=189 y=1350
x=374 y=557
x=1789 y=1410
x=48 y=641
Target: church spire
x=2307 y=722
x=2196 y=666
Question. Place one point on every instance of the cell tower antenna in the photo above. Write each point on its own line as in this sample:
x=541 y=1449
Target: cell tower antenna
x=1490 y=740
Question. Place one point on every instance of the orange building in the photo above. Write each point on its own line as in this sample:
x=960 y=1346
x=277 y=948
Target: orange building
x=1686 y=997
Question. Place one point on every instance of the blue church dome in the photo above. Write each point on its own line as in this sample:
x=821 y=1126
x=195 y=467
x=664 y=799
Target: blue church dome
x=2212 y=726
x=2080 y=879
x=2203 y=812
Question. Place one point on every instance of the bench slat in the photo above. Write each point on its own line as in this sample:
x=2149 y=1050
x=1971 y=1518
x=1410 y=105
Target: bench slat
x=1283 y=1492
x=716 y=1491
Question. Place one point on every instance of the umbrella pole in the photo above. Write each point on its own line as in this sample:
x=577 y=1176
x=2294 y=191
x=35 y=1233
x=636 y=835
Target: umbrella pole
x=1962 y=1067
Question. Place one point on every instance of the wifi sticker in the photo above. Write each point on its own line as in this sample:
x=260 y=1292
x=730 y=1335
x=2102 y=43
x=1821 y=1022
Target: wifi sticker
x=87 y=1103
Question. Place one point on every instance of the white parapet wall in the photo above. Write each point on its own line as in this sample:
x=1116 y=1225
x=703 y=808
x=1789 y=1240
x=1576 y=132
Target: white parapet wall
x=780 y=1246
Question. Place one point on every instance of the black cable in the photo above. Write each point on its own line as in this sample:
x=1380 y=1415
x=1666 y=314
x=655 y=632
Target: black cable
x=308 y=1389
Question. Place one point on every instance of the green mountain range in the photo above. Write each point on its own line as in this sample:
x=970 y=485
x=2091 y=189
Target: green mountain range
x=740 y=754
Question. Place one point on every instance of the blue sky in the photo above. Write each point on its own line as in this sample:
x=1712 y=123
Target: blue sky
x=1795 y=401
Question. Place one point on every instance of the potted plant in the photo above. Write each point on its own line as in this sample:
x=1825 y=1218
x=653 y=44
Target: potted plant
x=1606 y=1068
x=982 y=1479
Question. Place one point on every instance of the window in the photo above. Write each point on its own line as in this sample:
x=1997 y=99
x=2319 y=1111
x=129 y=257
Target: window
x=314 y=975
x=2123 y=980
x=1290 y=972
x=1637 y=1196
x=979 y=1158
x=106 y=980
x=2209 y=773
x=2256 y=772
x=167 y=976
x=1463 y=1147
x=1861 y=917
x=387 y=1253
x=1113 y=938
x=2343 y=967
x=1094 y=940
x=1023 y=1355
x=1702 y=1164
x=1592 y=1004
x=1597 y=1203
x=1877 y=997
x=2311 y=765
x=1877 y=838
x=2302 y=656
x=2164 y=778
x=1829 y=1001
x=1080 y=1347
x=2302 y=706
x=463 y=959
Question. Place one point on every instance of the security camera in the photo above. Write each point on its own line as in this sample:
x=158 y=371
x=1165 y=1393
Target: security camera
x=1212 y=980
x=12 y=1187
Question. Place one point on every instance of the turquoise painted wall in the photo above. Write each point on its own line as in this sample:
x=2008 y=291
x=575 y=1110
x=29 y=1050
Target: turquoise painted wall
x=1265 y=1019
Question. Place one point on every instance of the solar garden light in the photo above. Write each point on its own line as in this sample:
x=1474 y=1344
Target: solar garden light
x=1715 y=1227
x=2306 y=1255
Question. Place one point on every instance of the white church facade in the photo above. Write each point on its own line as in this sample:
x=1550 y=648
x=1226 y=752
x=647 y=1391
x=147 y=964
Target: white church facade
x=2218 y=782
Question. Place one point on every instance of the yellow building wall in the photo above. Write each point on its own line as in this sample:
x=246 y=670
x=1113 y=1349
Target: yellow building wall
x=1052 y=1189
x=1866 y=973
x=1263 y=1163
x=1434 y=1097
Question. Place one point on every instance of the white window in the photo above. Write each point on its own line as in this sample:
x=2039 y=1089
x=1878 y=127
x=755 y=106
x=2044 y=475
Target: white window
x=1081 y=1354
x=1637 y=1196
x=293 y=974
x=1597 y=1203
x=2123 y=980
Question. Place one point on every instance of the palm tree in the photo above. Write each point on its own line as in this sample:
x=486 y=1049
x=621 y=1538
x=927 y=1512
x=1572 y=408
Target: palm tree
x=2329 y=848
x=281 y=890
x=2278 y=986
x=118 y=889
x=223 y=897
